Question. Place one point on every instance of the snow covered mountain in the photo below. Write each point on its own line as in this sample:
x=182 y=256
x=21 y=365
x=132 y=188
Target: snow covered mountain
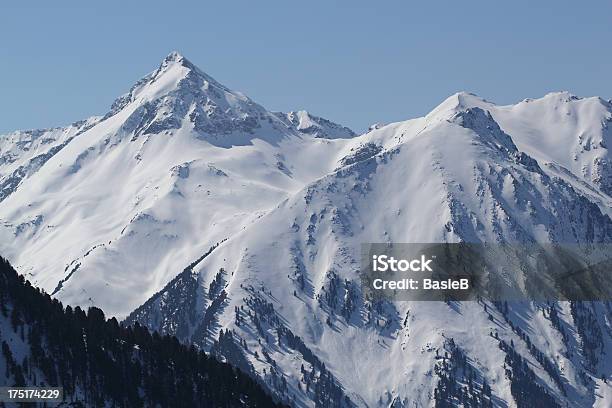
x=292 y=274
x=569 y=136
x=264 y=214
x=148 y=186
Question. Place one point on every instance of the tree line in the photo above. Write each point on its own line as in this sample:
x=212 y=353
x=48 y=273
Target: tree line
x=98 y=362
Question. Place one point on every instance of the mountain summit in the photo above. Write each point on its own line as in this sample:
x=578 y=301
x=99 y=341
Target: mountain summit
x=179 y=95
x=194 y=210
x=171 y=161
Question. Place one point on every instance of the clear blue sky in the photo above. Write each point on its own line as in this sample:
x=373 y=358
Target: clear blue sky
x=350 y=61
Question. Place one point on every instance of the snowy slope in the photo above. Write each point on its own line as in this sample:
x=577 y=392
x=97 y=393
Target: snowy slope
x=302 y=259
x=150 y=185
x=195 y=202
x=23 y=153
x=569 y=136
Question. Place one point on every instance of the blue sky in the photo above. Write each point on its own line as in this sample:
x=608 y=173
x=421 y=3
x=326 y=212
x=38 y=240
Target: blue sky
x=350 y=61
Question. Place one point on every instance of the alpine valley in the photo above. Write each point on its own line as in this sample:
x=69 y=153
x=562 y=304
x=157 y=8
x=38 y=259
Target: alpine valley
x=193 y=210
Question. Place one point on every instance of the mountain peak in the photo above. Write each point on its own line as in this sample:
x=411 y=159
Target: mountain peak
x=318 y=127
x=465 y=100
x=179 y=94
x=176 y=60
x=458 y=102
x=563 y=95
x=175 y=77
x=174 y=56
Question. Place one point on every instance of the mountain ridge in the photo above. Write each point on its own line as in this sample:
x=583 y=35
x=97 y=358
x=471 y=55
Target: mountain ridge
x=180 y=165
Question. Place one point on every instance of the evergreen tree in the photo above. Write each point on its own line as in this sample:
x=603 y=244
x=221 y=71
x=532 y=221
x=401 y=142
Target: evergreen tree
x=100 y=363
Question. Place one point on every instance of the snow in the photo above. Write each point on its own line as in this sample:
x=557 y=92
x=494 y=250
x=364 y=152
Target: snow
x=183 y=162
x=603 y=394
